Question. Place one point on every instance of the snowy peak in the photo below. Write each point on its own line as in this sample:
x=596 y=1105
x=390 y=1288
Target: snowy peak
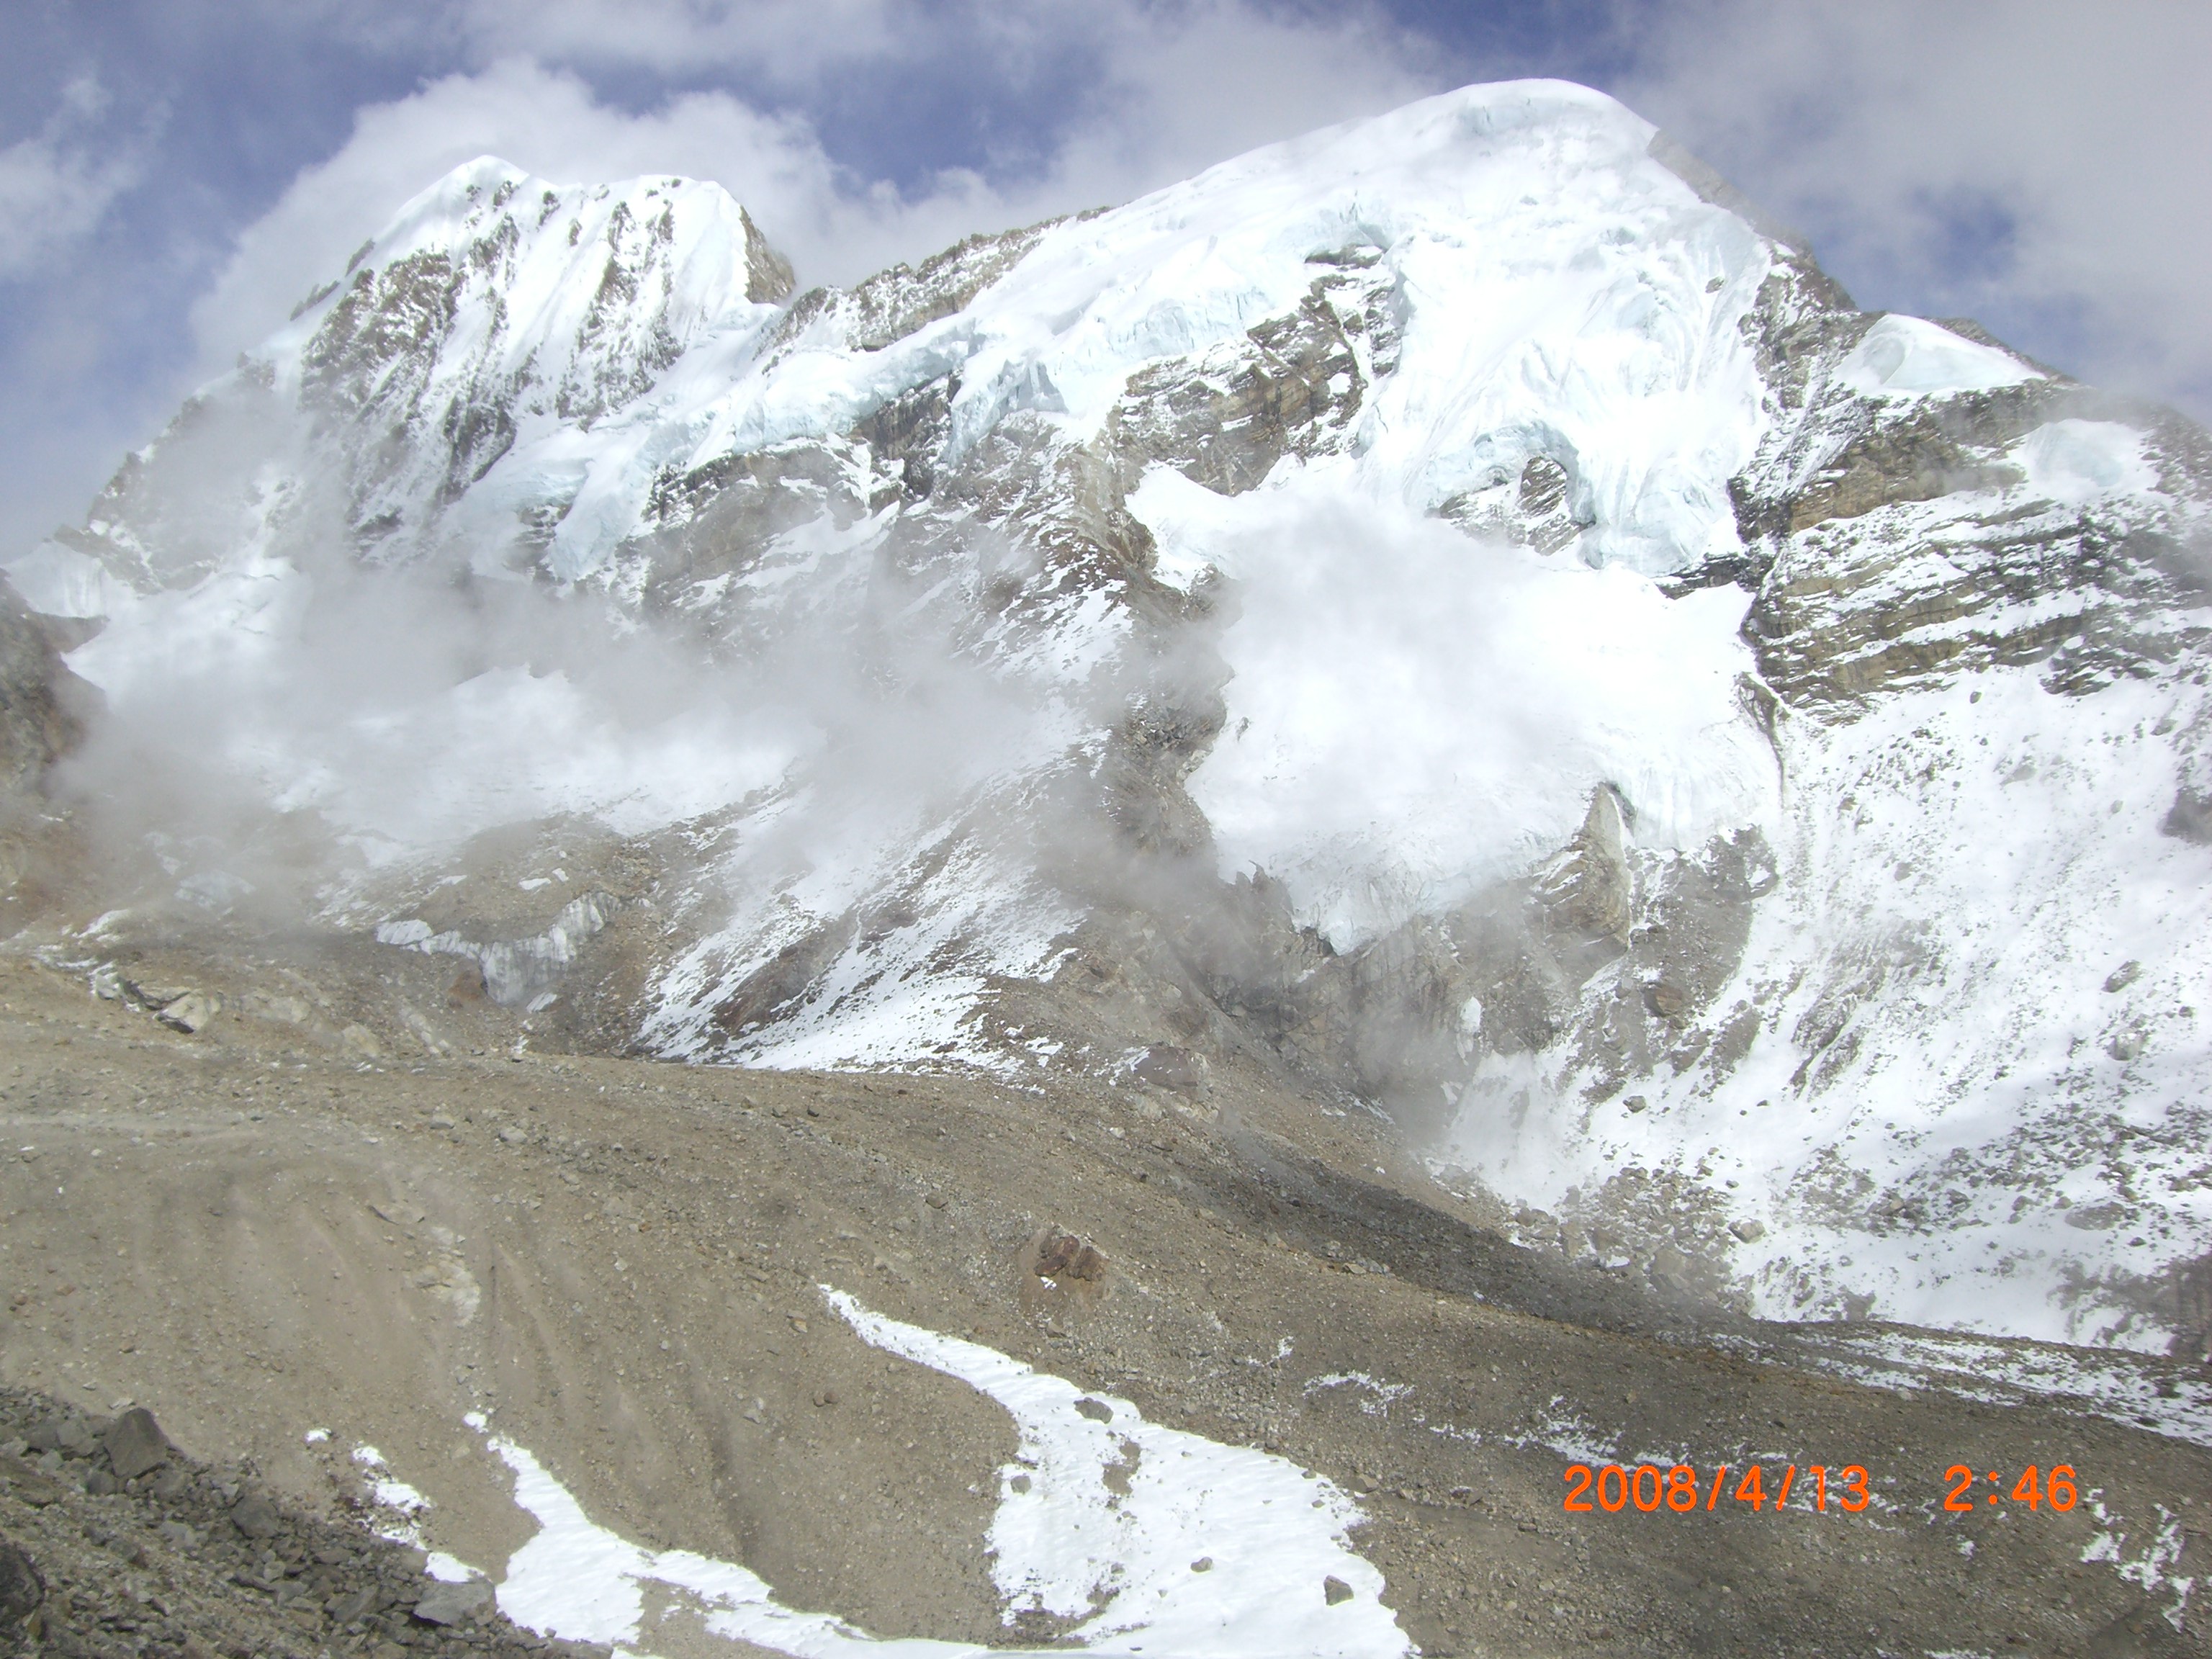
x=494 y=302
x=587 y=290
x=495 y=310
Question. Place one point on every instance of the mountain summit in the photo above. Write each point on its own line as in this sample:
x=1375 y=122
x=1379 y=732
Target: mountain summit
x=1456 y=615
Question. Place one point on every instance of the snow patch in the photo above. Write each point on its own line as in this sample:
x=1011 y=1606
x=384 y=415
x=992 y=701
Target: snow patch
x=2075 y=461
x=1910 y=357
x=1100 y=1514
x=1070 y=1543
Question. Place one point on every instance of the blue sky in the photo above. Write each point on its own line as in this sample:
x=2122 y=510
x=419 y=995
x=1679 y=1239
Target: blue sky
x=174 y=175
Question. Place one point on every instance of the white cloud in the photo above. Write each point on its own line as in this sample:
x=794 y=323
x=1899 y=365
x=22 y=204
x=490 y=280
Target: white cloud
x=1890 y=127
x=1168 y=92
x=788 y=41
x=56 y=188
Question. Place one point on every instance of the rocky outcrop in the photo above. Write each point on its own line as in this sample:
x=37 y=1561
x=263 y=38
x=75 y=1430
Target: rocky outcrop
x=895 y=303
x=1587 y=889
x=1894 y=540
x=1224 y=417
x=43 y=707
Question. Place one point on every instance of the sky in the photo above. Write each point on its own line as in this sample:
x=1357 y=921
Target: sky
x=176 y=175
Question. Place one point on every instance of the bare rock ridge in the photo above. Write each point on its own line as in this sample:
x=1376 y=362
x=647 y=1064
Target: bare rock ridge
x=1745 y=662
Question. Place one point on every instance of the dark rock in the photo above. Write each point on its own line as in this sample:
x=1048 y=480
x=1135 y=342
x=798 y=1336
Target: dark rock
x=2122 y=977
x=100 y=1484
x=2096 y=1217
x=1096 y=1410
x=1335 y=1589
x=256 y=1516
x=1063 y=1256
x=21 y=1589
x=450 y=1604
x=2190 y=818
x=1224 y=417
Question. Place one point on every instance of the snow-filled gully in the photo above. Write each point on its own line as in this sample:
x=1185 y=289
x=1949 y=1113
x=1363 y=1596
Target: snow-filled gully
x=1190 y=1550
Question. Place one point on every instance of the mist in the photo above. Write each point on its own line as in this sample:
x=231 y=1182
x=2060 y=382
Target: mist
x=300 y=717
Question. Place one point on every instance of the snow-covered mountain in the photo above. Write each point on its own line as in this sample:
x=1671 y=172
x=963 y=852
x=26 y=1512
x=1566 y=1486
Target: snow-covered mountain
x=1455 y=607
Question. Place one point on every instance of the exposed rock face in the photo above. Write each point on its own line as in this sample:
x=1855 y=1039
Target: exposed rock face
x=1587 y=889
x=1223 y=417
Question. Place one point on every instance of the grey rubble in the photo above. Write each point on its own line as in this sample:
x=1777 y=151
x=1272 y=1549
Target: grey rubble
x=187 y=1560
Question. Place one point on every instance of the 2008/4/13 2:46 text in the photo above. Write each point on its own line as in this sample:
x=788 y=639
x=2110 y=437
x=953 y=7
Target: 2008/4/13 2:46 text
x=1651 y=1490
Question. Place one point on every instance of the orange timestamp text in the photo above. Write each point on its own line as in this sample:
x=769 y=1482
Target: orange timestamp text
x=1651 y=1490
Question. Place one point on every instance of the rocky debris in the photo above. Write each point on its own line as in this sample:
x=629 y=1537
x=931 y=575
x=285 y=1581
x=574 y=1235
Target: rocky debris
x=254 y=1516
x=1063 y=1256
x=181 y=1008
x=1194 y=1340
x=113 y=1543
x=2142 y=1633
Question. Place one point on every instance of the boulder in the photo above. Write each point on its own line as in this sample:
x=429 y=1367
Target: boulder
x=135 y=1444
x=1165 y=1066
x=1063 y=1256
x=452 y=1604
x=256 y=1516
x=193 y=1010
